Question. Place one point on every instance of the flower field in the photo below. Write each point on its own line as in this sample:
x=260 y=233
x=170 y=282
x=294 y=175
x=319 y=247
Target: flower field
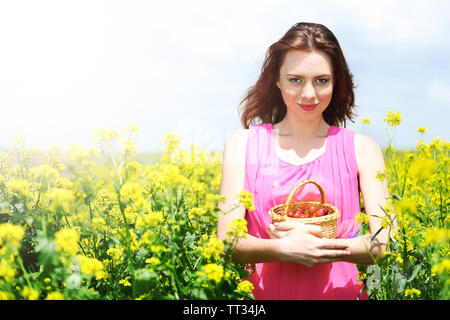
x=97 y=224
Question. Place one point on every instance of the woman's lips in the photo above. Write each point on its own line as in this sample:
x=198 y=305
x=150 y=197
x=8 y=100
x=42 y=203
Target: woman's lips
x=308 y=107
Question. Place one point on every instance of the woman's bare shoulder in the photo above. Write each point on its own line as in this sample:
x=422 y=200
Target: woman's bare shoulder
x=237 y=139
x=364 y=144
x=235 y=147
x=367 y=151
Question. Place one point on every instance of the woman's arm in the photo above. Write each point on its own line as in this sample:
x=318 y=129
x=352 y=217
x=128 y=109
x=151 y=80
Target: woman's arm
x=251 y=249
x=369 y=158
x=302 y=246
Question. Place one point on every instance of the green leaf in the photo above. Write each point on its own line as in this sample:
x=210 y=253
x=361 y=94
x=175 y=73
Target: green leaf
x=396 y=197
x=143 y=281
x=414 y=272
x=376 y=233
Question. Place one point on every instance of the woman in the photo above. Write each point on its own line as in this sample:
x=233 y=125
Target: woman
x=304 y=92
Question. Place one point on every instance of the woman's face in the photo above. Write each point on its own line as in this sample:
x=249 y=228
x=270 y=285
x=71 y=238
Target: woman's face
x=306 y=83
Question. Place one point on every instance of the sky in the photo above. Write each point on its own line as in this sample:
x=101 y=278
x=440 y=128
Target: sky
x=68 y=68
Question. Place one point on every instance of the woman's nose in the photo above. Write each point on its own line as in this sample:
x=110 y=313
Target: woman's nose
x=308 y=92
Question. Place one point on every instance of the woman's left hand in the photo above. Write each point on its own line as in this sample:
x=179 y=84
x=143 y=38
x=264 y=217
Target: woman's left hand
x=280 y=230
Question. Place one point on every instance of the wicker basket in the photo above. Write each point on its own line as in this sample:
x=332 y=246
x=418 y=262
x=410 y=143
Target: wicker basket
x=328 y=223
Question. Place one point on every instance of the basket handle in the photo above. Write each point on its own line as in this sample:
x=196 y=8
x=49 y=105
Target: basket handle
x=291 y=195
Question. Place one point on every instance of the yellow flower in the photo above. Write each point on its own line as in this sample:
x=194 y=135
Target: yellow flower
x=30 y=293
x=116 y=255
x=55 y=296
x=421 y=130
x=52 y=157
x=67 y=241
x=213 y=248
x=246 y=199
x=393 y=118
x=18 y=187
x=423 y=169
x=214 y=272
x=238 y=228
x=365 y=120
x=407 y=205
x=91 y=266
x=412 y=293
x=105 y=137
x=44 y=171
x=245 y=286
x=5 y=295
x=132 y=191
x=362 y=217
x=153 y=260
x=99 y=225
x=125 y=283
x=151 y=219
x=7 y=272
x=381 y=175
x=59 y=197
x=11 y=234
x=399 y=259
x=196 y=213
x=441 y=267
x=436 y=235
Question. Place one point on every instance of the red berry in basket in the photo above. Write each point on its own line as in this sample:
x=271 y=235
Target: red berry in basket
x=312 y=209
x=291 y=213
x=303 y=215
x=321 y=212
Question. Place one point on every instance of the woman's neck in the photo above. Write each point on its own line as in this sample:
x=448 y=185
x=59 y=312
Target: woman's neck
x=290 y=126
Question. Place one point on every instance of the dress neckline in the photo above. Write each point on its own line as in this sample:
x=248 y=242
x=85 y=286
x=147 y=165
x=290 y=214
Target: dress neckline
x=274 y=152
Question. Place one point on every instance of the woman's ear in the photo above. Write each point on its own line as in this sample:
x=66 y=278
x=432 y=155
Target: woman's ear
x=278 y=83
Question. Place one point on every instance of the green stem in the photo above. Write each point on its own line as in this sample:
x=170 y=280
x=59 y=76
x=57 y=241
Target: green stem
x=19 y=258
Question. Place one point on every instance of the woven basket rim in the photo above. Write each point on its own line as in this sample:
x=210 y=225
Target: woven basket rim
x=331 y=216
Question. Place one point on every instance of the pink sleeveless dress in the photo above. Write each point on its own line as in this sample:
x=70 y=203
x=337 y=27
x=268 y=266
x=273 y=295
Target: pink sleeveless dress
x=270 y=180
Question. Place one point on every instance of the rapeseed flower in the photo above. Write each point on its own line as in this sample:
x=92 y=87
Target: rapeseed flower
x=91 y=266
x=238 y=228
x=125 y=282
x=153 y=260
x=213 y=271
x=66 y=241
x=412 y=293
x=213 y=248
x=365 y=120
x=393 y=118
x=7 y=272
x=18 y=187
x=55 y=296
x=441 y=267
x=362 y=217
x=246 y=199
x=30 y=293
x=245 y=286
x=381 y=175
x=434 y=235
x=421 y=130
x=10 y=235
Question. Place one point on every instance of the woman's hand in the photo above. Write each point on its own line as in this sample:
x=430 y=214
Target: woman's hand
x=303 y=243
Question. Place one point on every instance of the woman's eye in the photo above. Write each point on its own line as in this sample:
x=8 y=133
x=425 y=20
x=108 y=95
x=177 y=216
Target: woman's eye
x=294 y=80
x=323 y=81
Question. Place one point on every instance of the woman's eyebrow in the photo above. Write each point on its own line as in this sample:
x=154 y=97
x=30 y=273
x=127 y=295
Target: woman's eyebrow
x=325 y=75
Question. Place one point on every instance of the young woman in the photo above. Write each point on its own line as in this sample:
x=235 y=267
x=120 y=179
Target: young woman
x=302 y=97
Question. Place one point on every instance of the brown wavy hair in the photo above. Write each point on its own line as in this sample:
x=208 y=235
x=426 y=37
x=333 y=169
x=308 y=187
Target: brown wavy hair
x=264 y=102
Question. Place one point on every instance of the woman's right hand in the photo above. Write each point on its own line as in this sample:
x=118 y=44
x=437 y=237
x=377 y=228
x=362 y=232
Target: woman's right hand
x=303 y=243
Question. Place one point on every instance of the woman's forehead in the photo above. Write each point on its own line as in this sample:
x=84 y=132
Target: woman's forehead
x=302 y=62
